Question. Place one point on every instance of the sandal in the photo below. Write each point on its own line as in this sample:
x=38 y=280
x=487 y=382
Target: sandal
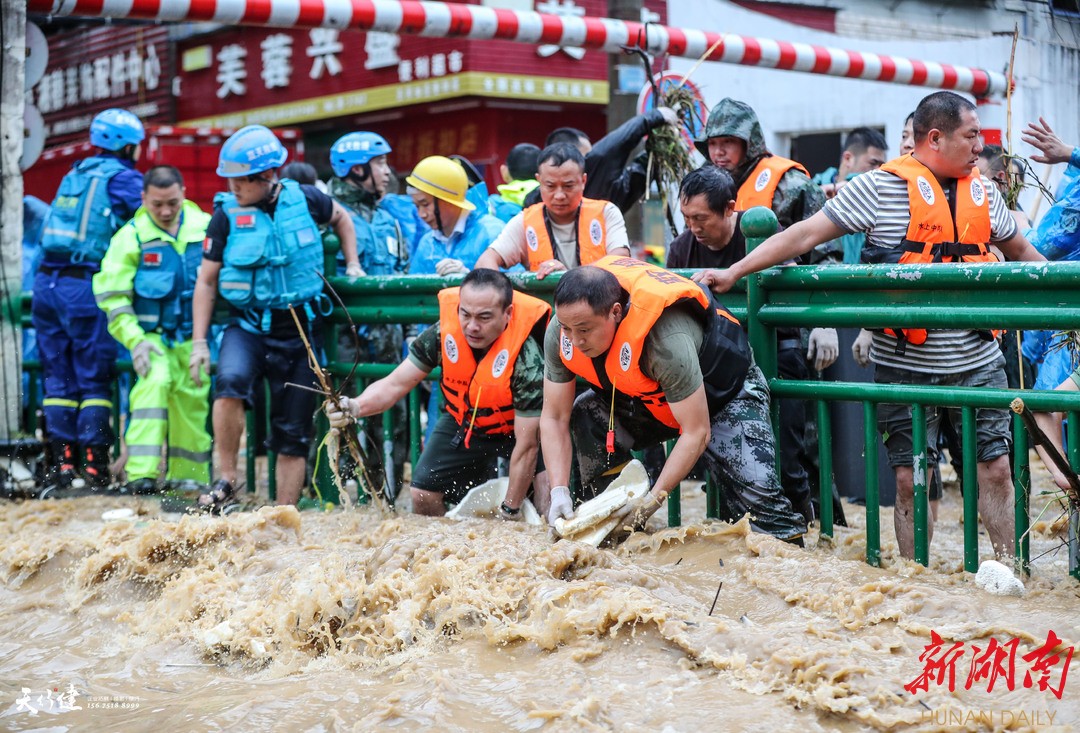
x=220 y=497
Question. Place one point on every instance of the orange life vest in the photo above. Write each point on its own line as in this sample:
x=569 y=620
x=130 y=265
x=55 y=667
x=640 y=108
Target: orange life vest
x=933 y=234
x=485 y=387
x=652 y=289
x=760 y=186
x=591 y=234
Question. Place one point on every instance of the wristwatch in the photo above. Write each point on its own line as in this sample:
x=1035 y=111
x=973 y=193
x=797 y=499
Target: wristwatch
x=508 y=510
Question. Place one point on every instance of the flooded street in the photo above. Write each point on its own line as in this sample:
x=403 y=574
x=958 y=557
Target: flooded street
x=279 y=620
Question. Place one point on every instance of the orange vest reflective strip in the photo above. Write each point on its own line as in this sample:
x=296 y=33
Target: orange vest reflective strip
x=652 y=290
x=933 y=235
x=591 y=234
x=484 y=387
x=760 y=186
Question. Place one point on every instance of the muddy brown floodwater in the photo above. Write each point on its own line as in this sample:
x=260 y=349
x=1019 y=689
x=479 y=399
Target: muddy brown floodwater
x=276 y=620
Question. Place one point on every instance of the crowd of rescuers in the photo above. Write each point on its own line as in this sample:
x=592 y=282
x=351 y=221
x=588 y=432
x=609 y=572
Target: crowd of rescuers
x=661 y=359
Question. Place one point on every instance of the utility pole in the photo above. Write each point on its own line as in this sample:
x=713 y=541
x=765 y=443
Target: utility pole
x=623 y=105
x=12 y=95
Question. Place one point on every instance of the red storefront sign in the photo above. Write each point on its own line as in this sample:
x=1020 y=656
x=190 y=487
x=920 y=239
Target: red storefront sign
x=281 y=77
x=93 y=69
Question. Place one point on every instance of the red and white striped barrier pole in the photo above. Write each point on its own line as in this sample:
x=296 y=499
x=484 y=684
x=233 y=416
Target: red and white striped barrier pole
x=442 y=20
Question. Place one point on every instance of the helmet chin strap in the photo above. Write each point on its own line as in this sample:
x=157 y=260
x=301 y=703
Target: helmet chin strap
x=271 y=191
x=438 y=217
x=358 y=180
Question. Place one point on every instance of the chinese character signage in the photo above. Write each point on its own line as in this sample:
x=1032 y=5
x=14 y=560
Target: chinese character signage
x=91 y=70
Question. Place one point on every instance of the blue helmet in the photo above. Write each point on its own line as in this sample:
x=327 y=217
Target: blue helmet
x=114 y=129
x=356 y=148
x=251 y=149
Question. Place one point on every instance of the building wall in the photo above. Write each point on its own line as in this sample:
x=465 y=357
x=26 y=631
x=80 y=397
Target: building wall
x=794 y=103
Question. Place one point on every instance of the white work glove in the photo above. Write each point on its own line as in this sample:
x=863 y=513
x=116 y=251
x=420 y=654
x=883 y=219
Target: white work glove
x=824 y=347
x=861 y=348
x=636 y=512
x=354 y=270
x=671 y=117
x=140 y=356
x=450 y=266
x=340 y=414
x=199 y=361
x=562 y=506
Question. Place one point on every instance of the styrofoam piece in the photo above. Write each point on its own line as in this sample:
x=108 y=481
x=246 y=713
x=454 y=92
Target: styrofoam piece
x=592 y=521
x=483 y=501
x=993 y=577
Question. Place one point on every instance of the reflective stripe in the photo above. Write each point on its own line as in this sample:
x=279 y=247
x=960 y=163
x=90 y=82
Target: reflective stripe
x=144 y=450
x=87 y=208
x=235 y=286
x=150 y=413
x=119 y=311
x=58 y=402
x=99 y=297
x=187 y=455
x=95 y=402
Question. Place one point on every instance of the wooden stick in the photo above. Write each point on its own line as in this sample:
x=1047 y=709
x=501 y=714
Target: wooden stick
x=1042 y=440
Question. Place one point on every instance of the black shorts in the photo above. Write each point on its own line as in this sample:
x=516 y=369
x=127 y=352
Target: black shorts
x=447 y=467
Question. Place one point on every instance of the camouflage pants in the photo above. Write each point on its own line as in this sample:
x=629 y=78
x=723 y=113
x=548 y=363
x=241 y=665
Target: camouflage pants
x=740 y=456
x=379 y=344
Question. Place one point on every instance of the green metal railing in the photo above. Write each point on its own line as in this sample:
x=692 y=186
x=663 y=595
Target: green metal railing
x=970 y=296
x=975 y=296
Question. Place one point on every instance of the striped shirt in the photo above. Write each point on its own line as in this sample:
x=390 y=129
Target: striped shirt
x=876 y=203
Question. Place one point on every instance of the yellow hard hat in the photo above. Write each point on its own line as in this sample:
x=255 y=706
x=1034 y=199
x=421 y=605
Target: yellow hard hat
x=442 y=178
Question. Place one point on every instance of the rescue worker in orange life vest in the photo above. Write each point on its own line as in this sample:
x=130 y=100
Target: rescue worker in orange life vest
x=929 y=206
x=488 y=343
x=664 y=361
x=734 y=141
x=564 y=230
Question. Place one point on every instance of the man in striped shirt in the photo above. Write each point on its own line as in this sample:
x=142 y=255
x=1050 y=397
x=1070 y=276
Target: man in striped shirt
x=880 y=204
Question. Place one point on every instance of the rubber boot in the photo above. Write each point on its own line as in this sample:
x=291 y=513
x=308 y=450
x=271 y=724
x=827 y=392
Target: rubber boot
x=97 y=466
x=62 y=471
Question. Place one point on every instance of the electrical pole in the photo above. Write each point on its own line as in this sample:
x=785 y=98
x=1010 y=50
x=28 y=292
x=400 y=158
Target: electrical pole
x=12 y=95
x=622 y=105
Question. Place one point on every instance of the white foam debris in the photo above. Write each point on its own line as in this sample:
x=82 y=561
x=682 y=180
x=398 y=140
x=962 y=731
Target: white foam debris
x=993 y=577
x=219 y=635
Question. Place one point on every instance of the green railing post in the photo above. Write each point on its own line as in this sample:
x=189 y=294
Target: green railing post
x=1021 y=494
x=414 y=427
x=824 y=421
x=712 y=498
x=873 y=500
x=971 y=489
x=919 y=476
x=674 y=507
x=271 y=456
x=674 y=500
x=758 y=224
x=249 y=448
x=1072 y=436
